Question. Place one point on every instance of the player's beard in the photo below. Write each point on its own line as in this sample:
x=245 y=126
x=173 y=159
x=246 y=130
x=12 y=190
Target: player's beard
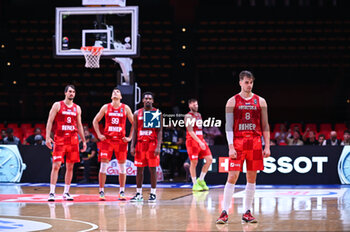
x=70 y=98
x=194 y=109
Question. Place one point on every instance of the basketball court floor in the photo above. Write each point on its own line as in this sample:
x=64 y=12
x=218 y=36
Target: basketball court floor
x=23 y=207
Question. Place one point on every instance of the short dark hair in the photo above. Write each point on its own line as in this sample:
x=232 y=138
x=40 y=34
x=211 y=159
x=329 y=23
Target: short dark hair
x=116 y=88
x=246 y=73
x=192 y=100
x=147 y=93
x=67 y=87
x=321 y=135
x=9 y=130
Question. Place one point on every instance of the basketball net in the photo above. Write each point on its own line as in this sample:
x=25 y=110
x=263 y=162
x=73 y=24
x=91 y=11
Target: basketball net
x=92 y=56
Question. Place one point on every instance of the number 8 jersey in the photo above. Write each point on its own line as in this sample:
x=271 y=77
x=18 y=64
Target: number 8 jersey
x=115 y=120
x=247 y=117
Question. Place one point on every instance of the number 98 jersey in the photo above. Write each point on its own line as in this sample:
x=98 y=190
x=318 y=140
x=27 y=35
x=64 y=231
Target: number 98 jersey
x=247 y=117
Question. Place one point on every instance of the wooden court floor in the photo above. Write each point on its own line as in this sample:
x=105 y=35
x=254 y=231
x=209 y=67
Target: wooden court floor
x=277 y=209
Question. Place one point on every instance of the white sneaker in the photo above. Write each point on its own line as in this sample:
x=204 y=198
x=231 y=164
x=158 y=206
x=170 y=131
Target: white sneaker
x=67 y=197
x=137 y=198
x=51 y=197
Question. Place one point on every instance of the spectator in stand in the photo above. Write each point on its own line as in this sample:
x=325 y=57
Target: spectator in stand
x=31 y=138
x=321 y=139
x=39 y=140
x=88 y=157
x=309 y=137
x=10 y=138
x=291 y=132
x=333 y=141
x=86 y=129
x=211 y=135
x=346 y=138
x=281 y=135
x=3 y=135
x=295 y=140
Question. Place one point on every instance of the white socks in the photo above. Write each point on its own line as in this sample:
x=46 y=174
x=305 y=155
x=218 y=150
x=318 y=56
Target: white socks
x=52 y=188
x=153 y=191
x=228 y=192
x=194 y=180
x=102 y=189
x=121 y=189
x=139 y=190
x=201 y=177
x=249 y=196
x=66 y=188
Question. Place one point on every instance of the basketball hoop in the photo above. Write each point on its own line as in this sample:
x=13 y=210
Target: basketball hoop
x=92 y=56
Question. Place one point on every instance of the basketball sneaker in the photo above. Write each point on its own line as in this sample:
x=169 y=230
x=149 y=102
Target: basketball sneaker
x=102 y=196
x=197 y=187
x=137 y=198
x=223 y=218
x=67 y=197
x=122 y=196
x=248 y=217
x=203 y=185
x=51 y=197
x=152 y=197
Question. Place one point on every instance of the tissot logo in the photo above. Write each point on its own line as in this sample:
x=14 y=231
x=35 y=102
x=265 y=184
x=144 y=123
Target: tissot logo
x=284 y=164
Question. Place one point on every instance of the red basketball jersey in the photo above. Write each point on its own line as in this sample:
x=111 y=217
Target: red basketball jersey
x=65 y=123
x=145 y=134
x=115 y=120
x=197 y=128
x=247 y=117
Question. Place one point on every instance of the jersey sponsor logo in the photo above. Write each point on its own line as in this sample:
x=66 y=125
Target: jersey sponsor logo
x=194 y=156
x=69 y=113
x=68 y=128
x=104 y=154
x=114 y=129
x=246 y=126
x=247 y=107
x=116 y=114
x=145 y=132
x=234 y=165
x=199 y=132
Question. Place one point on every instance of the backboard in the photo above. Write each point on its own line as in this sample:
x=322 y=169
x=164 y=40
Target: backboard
x=114 y=28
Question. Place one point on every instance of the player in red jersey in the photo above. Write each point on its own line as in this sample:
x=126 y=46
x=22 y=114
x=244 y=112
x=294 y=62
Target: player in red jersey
x=148 y=140
x=113 y=139
x=65 y=116
x=246 y=122
x=197 y=148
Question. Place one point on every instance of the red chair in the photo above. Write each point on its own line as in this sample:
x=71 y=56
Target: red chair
x=12 y=125
x=340 y=127
x=291 y=127
x=25 y=127
x=326 y=133
x=311 y=126
x=42 y=126
x=277 y=127
x=325 y=127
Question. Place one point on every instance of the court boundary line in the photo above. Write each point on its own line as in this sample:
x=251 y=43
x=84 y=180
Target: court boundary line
x=93 y=226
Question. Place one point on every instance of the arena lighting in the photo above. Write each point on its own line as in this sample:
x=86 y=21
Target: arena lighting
x=14 y=82
x=2 y=45
x=183 y=47
x=183 y=64
x=183 y=29
x=348 y=101
x=8 y=63
x=182 y=101
x=183 y=82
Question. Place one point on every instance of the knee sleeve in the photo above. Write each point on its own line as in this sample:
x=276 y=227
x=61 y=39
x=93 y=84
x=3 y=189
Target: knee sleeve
x=103 y=167
x=122 y=169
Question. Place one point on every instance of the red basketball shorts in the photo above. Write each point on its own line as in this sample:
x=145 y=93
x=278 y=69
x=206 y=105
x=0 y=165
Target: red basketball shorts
x=194 y=150
x=66 y=146
x=248 y=149
x=107 y=147
x=145 y=155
